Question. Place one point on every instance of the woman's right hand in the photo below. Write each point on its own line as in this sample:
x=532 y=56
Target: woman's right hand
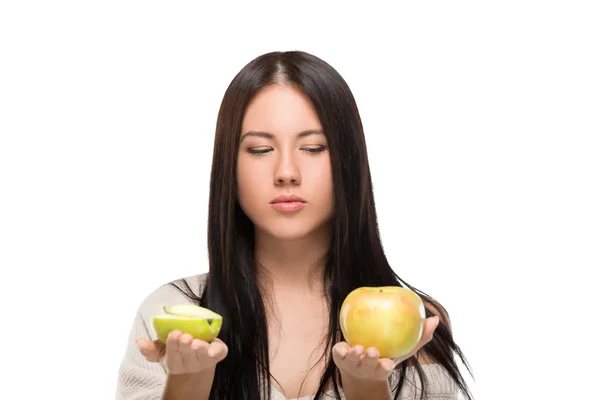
x=183 y=354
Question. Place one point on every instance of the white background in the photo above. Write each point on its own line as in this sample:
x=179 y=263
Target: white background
x=482 y=126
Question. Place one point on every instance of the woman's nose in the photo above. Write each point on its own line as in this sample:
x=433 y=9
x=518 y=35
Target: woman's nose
x=287 y=171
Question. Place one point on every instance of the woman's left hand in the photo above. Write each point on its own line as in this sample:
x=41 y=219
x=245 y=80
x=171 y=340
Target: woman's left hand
x=366 y=364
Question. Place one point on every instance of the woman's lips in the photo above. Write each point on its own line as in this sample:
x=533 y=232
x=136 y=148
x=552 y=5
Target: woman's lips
x=288 y=205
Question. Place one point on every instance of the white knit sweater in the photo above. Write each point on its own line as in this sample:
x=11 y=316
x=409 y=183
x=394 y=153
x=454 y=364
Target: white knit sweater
x=142 y=380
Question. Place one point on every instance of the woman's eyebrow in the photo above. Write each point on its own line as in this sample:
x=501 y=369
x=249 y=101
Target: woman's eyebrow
x=270 y=136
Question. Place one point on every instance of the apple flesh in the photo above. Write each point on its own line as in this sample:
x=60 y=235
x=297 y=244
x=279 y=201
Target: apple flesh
x=389 y=318
x=197 y=321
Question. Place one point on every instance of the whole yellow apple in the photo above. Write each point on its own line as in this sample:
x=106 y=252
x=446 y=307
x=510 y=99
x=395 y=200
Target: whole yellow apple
x=389 y=318
x=197 y=321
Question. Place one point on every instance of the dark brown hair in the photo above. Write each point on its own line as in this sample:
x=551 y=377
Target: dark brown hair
x=356 y=257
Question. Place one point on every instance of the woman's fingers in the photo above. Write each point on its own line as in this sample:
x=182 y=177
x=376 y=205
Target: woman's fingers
x=340 y=350
x=172 y=345
x=188 y=357
x=217 y=350
x=199 y=347
x=184 y=353
x=355 y=355
x=371 y=358
x=386 y=364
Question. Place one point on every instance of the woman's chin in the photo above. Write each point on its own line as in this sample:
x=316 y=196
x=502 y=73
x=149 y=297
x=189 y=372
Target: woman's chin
x=289 y=235
x=291 y=230
x=287 y=232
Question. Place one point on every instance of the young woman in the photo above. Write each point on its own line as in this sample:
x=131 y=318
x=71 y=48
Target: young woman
x=292 y=229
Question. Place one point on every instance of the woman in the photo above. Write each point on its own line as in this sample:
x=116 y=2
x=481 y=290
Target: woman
x=280 y=267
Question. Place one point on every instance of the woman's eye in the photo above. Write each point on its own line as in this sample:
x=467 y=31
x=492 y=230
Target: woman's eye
x=258 y=151
x=307 y=149
x=315 y=149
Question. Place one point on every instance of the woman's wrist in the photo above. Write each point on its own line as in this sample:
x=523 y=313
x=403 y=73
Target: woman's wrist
x=189 y=386
x=357 y=388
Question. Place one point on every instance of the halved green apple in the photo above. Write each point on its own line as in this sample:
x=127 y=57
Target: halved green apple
x=197 y=321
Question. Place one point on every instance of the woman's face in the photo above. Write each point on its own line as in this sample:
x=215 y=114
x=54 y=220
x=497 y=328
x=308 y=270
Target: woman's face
x=280 y=161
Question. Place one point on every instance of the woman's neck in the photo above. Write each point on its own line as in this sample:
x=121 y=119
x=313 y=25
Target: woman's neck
x=295 y=265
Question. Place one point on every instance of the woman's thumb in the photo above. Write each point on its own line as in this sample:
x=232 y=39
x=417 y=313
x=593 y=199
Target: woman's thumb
x=152 y=351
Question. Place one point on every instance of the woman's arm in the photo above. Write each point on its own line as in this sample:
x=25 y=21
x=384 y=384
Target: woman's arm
x=364 y=373
x=195 y=386
x=140 y=379
x=144 y=376
x=137 y=378
x=356 y=389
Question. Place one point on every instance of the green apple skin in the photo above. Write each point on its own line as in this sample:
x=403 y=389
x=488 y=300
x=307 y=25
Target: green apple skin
x=188 y=318
x=199 y=328
x=389 y=318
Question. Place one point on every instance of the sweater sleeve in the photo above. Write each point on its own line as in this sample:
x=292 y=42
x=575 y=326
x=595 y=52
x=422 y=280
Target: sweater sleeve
x=137 y=378
x=439 y=384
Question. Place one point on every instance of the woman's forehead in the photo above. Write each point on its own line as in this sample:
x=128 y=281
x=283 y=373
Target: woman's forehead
x=280 y=110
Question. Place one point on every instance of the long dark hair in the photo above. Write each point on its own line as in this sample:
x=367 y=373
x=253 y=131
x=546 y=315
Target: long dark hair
x=356 y=257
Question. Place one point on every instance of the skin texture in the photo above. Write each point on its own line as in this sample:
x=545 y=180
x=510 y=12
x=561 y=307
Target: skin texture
x=182 y=354
x=287 y=244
